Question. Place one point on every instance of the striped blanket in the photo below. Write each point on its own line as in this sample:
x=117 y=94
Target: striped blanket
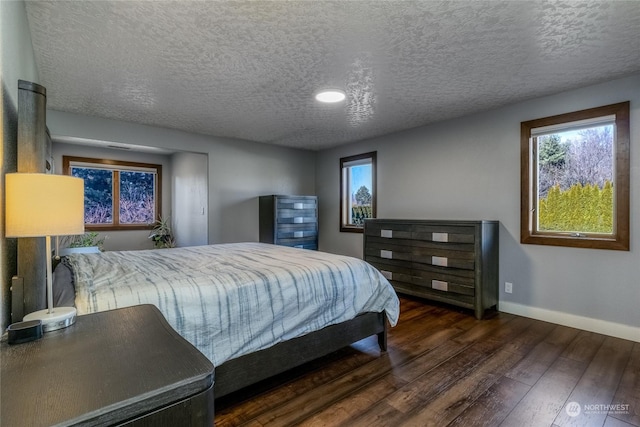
x=233 y=299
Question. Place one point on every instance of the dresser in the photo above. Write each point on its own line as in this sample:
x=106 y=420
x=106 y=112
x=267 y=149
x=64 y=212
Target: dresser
x=454 y=262
x=289 y=220
x=119 y=367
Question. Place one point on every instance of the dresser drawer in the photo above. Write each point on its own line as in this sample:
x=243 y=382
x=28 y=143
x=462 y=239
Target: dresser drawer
x=444 y=234
x=299 y=243
x=297 y=231
x=397 y=274
x=392 y=265
x=392 y=271
x=395 y=243
x=296 y=203
x=461 y=300
x=437 y=247
x=389 y=230
x=444 y=257
x=388 y=249
x=468 y=276
x=292 y=216
x=444 y=282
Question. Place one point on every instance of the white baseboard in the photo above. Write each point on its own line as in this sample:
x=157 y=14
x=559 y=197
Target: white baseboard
x=604 y=327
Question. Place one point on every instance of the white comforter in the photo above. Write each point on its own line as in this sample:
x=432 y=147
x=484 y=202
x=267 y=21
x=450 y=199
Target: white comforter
x=233 y=299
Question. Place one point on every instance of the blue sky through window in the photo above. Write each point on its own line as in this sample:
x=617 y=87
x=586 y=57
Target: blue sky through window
x=360 y=175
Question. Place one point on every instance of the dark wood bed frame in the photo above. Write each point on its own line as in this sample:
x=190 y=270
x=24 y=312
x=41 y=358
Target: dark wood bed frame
x=249 y=369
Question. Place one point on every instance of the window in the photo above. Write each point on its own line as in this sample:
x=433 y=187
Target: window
x=357 y=191
x=575 y=179
x=117 y=195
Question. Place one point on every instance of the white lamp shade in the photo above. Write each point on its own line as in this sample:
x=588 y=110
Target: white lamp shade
x=40 y=204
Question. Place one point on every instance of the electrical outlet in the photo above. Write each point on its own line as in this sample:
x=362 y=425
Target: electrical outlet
x=508 y=287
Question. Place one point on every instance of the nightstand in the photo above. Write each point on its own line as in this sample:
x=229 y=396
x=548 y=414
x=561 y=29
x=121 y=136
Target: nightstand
x=119 y=367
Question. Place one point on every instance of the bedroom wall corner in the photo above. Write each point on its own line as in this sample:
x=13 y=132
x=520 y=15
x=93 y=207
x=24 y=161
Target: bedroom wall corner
x=16 y=62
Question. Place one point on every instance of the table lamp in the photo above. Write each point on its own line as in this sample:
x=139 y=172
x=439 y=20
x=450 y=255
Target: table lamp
x=46 y=205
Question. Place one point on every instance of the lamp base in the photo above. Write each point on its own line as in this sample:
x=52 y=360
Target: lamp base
x=58 y=318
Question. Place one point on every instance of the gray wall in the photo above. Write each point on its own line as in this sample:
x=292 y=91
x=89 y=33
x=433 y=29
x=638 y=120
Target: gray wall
x=16 y=62
x=238 y=171
x=189 y=202
x=121 y=240
x=469 y=168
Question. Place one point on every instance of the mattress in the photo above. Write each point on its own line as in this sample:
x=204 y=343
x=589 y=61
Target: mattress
x=233 y=299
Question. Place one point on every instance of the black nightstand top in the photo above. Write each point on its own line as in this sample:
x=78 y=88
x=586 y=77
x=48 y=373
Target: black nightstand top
x=108 y=367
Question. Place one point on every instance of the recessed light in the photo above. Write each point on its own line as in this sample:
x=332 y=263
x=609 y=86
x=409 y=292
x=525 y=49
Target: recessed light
x=332 y=95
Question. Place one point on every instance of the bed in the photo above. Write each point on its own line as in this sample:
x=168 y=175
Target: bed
x=253 y=309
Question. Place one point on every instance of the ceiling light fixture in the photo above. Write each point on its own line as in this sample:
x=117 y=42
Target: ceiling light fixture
x=332 y=95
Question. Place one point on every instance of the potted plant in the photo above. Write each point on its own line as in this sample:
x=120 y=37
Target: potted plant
x=162 y=235
x=89 y=242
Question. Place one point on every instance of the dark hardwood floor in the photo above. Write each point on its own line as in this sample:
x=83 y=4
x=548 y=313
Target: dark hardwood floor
x=444 y=368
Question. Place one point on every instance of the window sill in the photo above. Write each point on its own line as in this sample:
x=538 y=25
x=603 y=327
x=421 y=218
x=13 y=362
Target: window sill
x=588 y=242
x=347 y=229
x=102 y=228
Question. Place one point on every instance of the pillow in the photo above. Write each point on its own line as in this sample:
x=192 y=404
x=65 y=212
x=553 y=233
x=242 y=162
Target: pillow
x=64 y=292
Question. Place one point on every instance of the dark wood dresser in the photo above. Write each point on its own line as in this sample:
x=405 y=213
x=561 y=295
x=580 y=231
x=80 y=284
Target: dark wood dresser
x=454 y=262
x=289 y=221
x=119 y=367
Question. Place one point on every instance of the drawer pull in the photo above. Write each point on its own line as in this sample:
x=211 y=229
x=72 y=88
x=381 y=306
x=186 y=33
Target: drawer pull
x=387 y=274
x=386 y=254
x=386 y=233
x=440 y=261
x=298 y=234
x=298 y=220
x=298 y=206
x=440 y=285
x=440 y=237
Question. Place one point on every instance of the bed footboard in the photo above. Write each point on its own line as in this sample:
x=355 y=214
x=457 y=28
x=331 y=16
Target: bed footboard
x=251 y=368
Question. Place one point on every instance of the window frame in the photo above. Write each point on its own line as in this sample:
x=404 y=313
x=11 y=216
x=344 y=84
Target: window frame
x=344 y=205
x=619 y=239
x=67 y=164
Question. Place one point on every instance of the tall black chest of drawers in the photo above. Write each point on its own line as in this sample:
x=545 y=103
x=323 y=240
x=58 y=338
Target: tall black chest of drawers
x=289 y=220
x=454 y=262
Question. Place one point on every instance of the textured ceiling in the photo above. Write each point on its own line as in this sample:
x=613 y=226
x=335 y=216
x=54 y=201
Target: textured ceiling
x=249 y=69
